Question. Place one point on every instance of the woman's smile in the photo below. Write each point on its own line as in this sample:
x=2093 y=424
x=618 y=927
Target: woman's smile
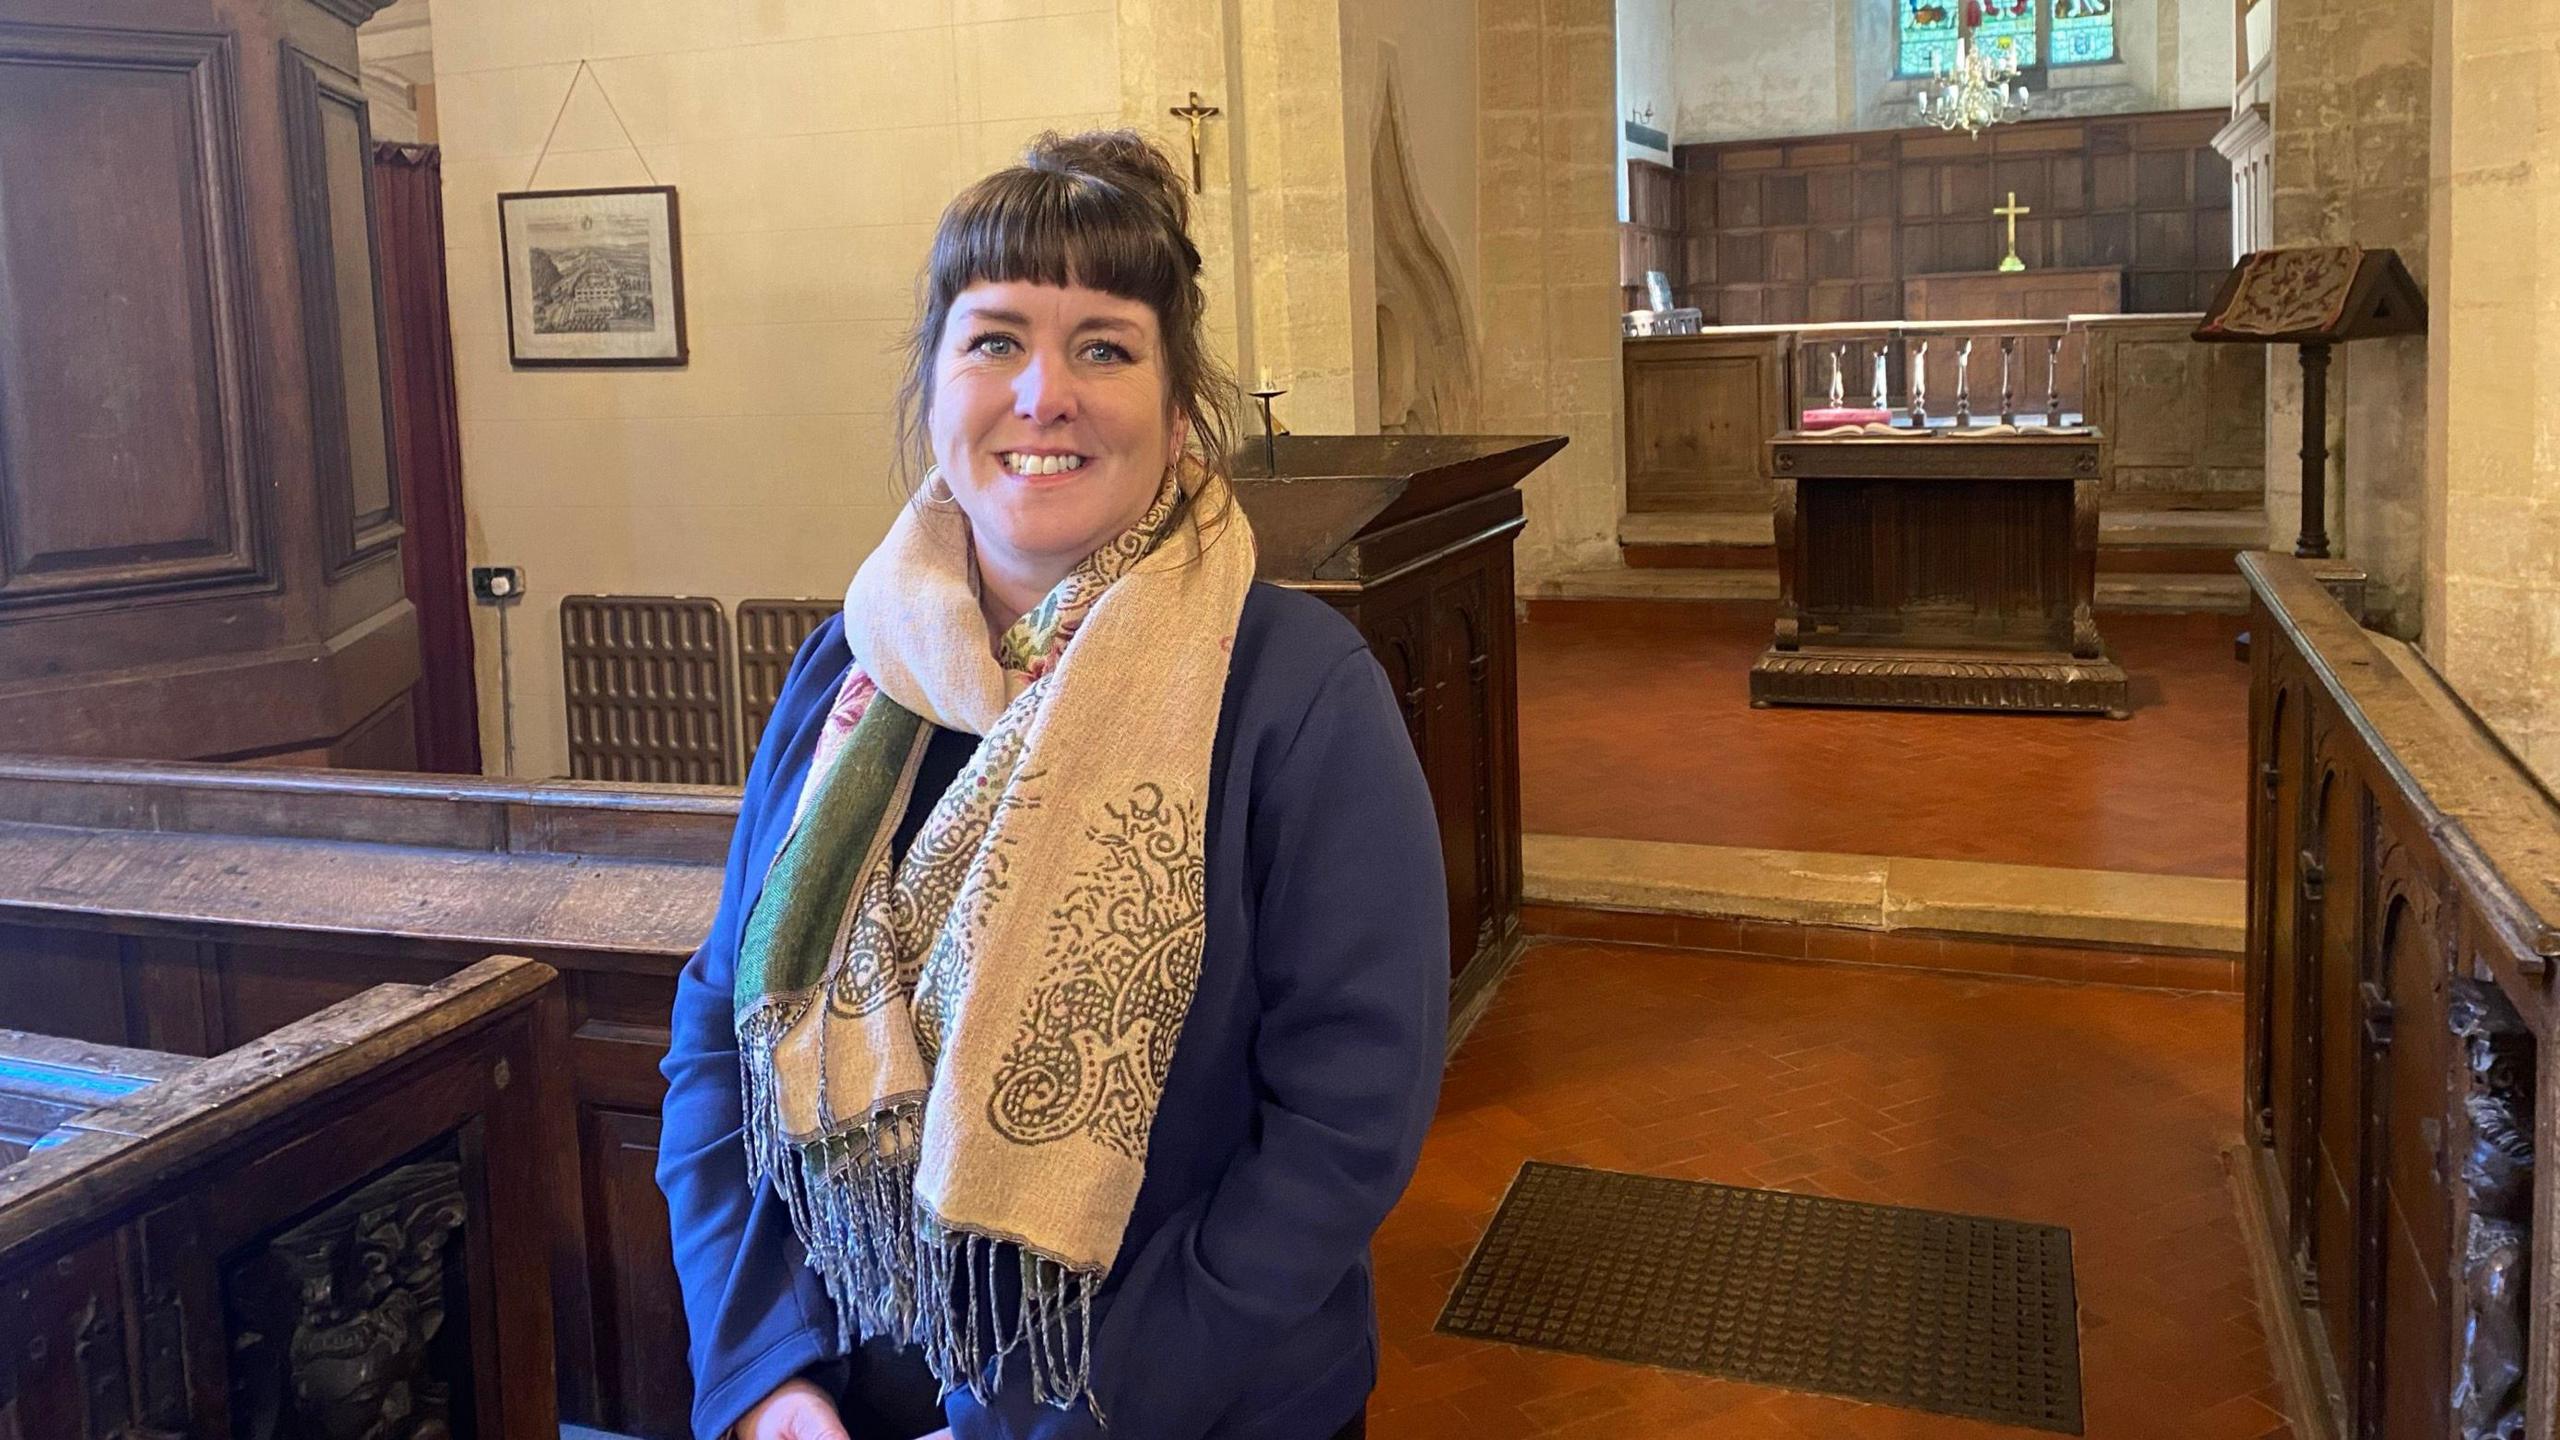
x=1038 y=466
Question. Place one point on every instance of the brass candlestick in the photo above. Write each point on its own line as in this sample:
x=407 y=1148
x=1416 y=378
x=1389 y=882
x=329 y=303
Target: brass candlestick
x=1270 y=437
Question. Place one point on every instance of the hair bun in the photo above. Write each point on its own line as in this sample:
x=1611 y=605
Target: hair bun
x=1123 y=159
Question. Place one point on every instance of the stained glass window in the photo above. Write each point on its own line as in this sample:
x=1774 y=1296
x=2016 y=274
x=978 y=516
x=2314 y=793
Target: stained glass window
x=2010 y=23
x=2084 y=31
x=1925 y=31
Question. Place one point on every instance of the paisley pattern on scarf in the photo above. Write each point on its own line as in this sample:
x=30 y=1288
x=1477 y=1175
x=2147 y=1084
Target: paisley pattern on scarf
x=1093 y=1053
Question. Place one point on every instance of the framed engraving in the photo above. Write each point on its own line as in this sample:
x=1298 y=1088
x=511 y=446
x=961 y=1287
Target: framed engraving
x=594 y=277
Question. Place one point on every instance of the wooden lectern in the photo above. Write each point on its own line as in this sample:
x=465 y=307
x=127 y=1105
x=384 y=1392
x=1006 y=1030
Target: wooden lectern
x=1409 y=536
x=2314 y=297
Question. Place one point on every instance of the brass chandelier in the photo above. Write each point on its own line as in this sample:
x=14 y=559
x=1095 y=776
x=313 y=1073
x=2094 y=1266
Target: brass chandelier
x=1982 y=88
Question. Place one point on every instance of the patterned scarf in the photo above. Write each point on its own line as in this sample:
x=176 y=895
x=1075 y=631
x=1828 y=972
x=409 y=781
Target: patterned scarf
x=952 y=1064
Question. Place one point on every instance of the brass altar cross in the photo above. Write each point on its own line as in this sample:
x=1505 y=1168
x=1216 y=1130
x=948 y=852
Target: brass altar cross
x=2012 y=210
x=1194 y=113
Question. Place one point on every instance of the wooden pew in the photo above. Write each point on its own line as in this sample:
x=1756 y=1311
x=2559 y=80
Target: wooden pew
x=193 y=908
x=2404 y=921
x=331 y=1231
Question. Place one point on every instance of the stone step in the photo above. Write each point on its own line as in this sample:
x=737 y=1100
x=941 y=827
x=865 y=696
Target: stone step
x=2175 y=594
x=2160 y=594
x=2168 y=529
x=1640 y=583
x=2179 y=529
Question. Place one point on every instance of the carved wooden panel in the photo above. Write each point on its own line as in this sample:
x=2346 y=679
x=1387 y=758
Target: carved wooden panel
x=2398 y=1009
x=329 y=138
x=129 y=449
x=1936 y=563
x=2184 y=422
x=646 y=680
x=769 y=635
x=2340 y=1071
x=340 y=1321
x=1828 y=227
x=2404 y=1207
x=1700 y=412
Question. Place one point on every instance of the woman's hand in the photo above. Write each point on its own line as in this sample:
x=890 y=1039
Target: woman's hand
x=796 y=1410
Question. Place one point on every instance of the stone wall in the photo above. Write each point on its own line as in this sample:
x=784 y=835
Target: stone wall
x=2351 y=144
x=2493 y=349
x=1547 y=82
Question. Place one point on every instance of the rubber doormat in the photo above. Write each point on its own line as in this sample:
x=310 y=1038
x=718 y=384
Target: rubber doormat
x=1957 y=1314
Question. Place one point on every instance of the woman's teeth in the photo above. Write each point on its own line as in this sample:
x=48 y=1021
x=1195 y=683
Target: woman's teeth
x=1042 y=464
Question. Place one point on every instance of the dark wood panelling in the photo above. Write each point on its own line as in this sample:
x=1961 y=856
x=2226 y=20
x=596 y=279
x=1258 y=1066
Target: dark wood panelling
x=129 y=458
x=188 y=319
x=632 y=1257
x=330 y=141
x=2145 y=193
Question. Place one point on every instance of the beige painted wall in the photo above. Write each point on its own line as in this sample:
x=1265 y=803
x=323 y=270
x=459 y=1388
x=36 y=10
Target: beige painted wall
x=812 y=143
x=2351 y=160
x=2493 y=351
x=1751 y=68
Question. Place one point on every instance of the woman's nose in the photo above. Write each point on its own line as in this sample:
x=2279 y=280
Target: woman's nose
x=1043 y=392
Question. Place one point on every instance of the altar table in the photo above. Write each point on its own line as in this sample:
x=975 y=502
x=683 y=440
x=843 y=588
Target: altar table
x=1951 y=570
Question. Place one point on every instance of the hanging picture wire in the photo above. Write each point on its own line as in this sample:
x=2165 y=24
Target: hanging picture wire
x=593 y=276
x=586 y=71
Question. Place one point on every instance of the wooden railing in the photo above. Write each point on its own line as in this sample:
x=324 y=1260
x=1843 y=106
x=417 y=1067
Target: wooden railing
x=2404 y=920
x=2182 y=424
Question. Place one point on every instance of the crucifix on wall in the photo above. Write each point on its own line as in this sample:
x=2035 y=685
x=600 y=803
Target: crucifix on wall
x=1193 y=114
x=2012 y=211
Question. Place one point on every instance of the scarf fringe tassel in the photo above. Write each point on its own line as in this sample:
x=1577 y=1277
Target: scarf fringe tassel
x=895 y=1269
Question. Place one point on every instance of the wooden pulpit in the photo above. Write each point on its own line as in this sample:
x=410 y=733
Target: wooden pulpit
x=1947 y=569
x=1410 y=536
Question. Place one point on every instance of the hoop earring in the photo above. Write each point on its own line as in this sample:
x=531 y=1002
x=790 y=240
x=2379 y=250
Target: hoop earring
x=933 y=477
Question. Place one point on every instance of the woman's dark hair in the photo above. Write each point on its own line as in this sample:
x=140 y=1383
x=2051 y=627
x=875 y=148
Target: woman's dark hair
x=1104 y=210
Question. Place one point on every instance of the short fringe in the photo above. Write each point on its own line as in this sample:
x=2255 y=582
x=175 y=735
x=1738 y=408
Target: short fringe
x=895 y=1269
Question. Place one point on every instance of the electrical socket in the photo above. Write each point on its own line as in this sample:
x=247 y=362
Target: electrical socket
x=496 y=584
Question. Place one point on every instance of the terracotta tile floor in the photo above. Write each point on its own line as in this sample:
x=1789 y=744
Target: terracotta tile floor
x=2097 y=1108
x=1636 y=723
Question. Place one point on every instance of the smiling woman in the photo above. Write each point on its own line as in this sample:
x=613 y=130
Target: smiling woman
x=1074 y=1009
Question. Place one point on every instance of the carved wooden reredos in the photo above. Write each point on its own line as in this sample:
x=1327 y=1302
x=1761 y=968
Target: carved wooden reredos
x=1426 y=329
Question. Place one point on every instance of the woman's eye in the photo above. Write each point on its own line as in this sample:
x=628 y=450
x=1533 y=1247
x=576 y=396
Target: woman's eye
x=1106 y=351
x=999 y=346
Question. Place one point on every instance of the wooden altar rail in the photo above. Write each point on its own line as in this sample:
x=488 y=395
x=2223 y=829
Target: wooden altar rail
x=317 y=1234
x=2183 y=423
x=2404 y=921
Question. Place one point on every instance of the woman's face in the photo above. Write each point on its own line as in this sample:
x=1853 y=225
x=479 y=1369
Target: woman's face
x=1051 y=420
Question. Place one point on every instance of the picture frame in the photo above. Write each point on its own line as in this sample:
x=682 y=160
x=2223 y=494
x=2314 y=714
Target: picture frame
x=593 y=277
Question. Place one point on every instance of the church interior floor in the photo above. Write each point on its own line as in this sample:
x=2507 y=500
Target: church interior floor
x=2102 y=1109
x=1636 y=724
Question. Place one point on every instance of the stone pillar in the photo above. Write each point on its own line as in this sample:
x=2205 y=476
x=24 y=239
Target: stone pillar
x=1168 y=50
x=1547 y=216
x=2493 y=343
x=2350 y=119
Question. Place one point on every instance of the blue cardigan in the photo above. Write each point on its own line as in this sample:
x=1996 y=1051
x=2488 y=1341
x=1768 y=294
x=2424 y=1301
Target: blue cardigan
x=1240 y=1306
